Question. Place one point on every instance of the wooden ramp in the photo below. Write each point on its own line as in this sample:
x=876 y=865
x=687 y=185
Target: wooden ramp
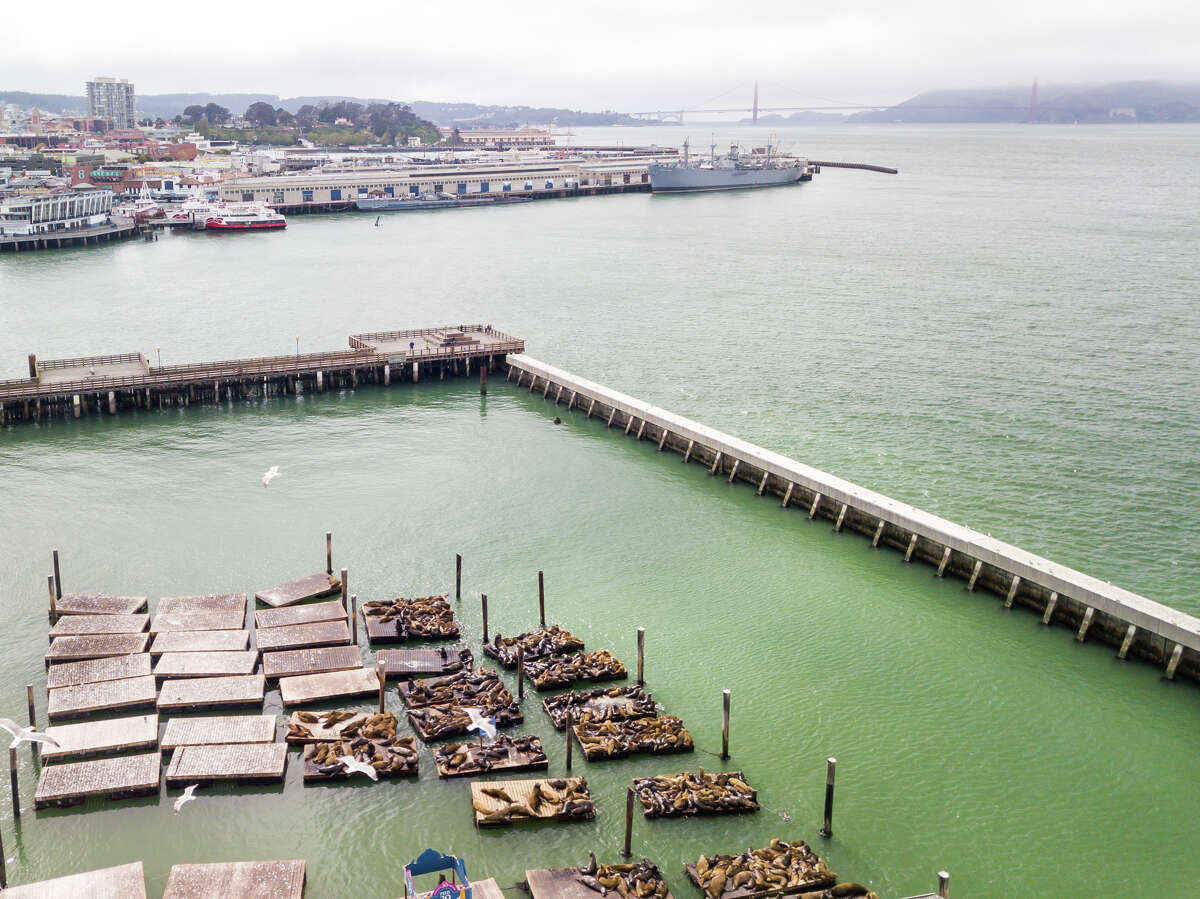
x=309 y=613
x=77 y=741
x=205 y=664
x=67 y=784
x=122 y=882
x=238 y=880
x=203 y=602
x=211 y=692
x=199 y=641
x=301 y=636
x=245 y=762
x=314 y=586
x=295 y=662
x=99 y=604
x=405 y=663
x=226 y=730
x=95 y=646
x=80 y=625
x=331 y=685
x=92 y=671
x=561 y=883
x=167 y=622
x=104 y=696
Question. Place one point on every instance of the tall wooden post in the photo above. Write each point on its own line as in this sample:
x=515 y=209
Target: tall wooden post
x=641 y=644
x=345 y=588
x=541 y=600
x=520 y=672
x=725 y=725
x=943 y=889
x=483 y=597
x=353 y=618
x=457 y=576
x=57 y=578
x=329 y=552
x=483 y=380
x=628 y=850
x=827 y=829
x=381 y=676
x=53 y=607
x=12 y=776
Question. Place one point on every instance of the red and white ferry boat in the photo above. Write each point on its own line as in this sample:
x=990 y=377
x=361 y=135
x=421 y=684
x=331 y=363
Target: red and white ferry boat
x=243 y=217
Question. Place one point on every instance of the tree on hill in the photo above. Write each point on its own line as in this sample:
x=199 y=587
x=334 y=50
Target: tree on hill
x=216 y=114
x=283 y=117
x=344 y=109
x=262 y=113
x=194 y=113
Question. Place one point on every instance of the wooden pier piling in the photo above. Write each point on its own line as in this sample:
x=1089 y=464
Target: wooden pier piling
x=53 y=599
x=345 y=587
x=641 y=656
x=570 y=734
x=943 y=887
x=32 y=714
x=12 y=776
x=483 y=598
x=520 y=672
x=57 y=577
x=329 y=552
x=724 y=725
x=827 y=829
x=458 y=577
x=483 y=380
x=541 y=601
x=381 y=676
x=3 y=865
x=627 y=852
x=354 y=618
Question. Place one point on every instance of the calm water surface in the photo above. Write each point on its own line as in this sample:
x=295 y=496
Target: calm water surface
x=1004 y=334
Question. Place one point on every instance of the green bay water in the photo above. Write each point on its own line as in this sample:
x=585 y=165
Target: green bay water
x=1004 y=334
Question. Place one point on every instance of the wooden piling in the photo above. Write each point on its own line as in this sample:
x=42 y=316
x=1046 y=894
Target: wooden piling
x=354 y=618
x=345 y=588
x=541 y=600
x=787 y=496
x=641 y=658
x=733 y=471
x=627 y=852
x=831 y=767
x=724 y=725
x=912 y=545
x=53 y=606
x=520 y=672
x=457 y=577
x=57 y=577
x=483 y=380
x=812 y=510
x=837 y=528
x=381 y=676
x=943 y=889
x=32 y=713
x=483 y=598
x=974 y=575
x=762 y=485
x=329 y=552
x=12 y=776
x=3 y=866
x=1085 y=624
x=570 y=736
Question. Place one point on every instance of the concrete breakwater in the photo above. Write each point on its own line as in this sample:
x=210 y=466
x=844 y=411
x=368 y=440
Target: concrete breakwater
x=1058 y=594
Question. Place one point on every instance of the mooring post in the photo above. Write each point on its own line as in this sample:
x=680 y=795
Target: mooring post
x=1127 y=642
x=483 y=598
x=32 y=712
x=329 y=552
x=641 y=644
x=381 y=676
x=345 y=588
x=628 y=850
x=912 y=544
x=1012 y=591
x=975 y=575
x=520 y=672
x=541 y=600
x=943 y=889
x=457 y=577
x=3 y=866
x=53 y=607
x=483 y=380
x=827 y=830
x=57 y=577
x=12 y=776
x=354 y=618
x=1085 y=624
x=1050 y=604
x=945 y=561
x=724 y=725
x=1176 y=655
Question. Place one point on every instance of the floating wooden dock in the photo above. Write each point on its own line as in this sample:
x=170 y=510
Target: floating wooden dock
x=480 y=889
x=226 y=730
x=301 y=636
x=330 y=685
x=505 y=753
x=202 y=602
x=95 y=646
x=600 y=704
x=396 y=757
x=626 y=736
x=241 y=762
x=544 y=641
x=807 y=872
x=225 y=620
x=521 y=792
x=562 y=883
x=551 y=672
x=237 y=880
x=205 y=664
x=78 y=741
x=83 y=625
x=310 y=613
x=199 y=641
x=410 y=618
x=102 y=696
x=312 y=586
x=92 y=671
x=319 y=731
x=73 y=782
x=482 y=688
x=407 y=663
x=436 y=722
x=296 y=662
x=211 y=692
x=99 y=604
x=701 y=793
x=120 y=882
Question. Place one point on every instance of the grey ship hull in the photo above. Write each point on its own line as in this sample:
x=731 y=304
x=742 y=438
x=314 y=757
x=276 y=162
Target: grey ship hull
x=680 y=179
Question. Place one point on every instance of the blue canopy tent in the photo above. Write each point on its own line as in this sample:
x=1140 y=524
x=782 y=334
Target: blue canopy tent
x=429 y=862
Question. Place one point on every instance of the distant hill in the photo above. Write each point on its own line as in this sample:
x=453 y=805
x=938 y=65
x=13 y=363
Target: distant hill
x=804 y=117
x=476 y=116
x=1125 y=101
x=55 y=103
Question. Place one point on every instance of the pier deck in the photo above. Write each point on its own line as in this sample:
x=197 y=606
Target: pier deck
x=85 y=625
x=560 y=883
x=237 y=880
x=312 y=586
x=199 y=641
x=405 y=663
x=205 y=664
x=226 y=730
x=201 y=602
x=120 y=882
x=302 y=636
x=480 y=889
x=311 y=613
x=92 y=671
x=67 y=784
x=241 y=762
x=78 y=741
x=296 y=662
x=95 y=646
x=521 y=791
x=98 y=603
x=331 y=685
x=102 y=696
x=211 y=692
x=226 y=620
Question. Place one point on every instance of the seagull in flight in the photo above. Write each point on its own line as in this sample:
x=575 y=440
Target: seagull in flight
x=24 y=734
x=188 y=795
x=354 y=766
x=272 y=473
x=485 y=726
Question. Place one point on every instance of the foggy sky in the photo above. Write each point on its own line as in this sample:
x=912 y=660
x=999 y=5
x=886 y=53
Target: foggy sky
x=593 y=56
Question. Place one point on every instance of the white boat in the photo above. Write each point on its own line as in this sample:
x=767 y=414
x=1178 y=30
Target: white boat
x=142 y=208
x=243 y=217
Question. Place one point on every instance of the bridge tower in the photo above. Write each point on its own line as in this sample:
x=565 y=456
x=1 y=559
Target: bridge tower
x=754 y=120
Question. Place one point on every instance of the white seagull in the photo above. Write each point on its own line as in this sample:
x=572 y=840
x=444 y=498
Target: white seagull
x=485 y=726
x=24 y=734
x=354 y=766
x=188 y=795
x=272 y=473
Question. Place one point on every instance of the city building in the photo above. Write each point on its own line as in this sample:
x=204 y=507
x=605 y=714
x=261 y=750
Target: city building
x=112 y=99
x=53 y=213
x=504 y=139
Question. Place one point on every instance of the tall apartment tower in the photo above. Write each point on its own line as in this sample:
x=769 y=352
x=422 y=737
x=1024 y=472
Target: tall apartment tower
x=110 y=98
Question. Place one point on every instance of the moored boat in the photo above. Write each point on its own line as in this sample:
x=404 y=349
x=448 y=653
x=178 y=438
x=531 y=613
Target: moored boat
x=243 y=217
x=733 y=171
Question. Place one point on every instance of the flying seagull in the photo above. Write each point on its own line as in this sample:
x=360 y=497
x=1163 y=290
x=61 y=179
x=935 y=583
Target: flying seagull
x=272 y=473
x=188 y=795
x=485 y=726
x=24 y=734
x=354 y=766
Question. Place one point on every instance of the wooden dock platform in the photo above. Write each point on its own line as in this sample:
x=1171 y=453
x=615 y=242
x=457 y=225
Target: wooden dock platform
x=319 y=730
x=237 y=880
x=99 y=604
x=224 y=620
x=301 y=636
x=406 y=663
x=202 y=602
x=309 y=613
x=395 y=757
x=95 y=646
x=73 y=782
x=205 y=664
x=572 y=802
x=296 y=662
x=600 y=704
x=481 y=687
x=211 y=692
x=78 y=700
x=330 y=685
x=239 y=762
x=551 y=672
x=119 y=882
x=226 y=730
x=91 y=671
x=312 y=586
x=480 y=889
x=805 y=873
x=199 y=641
x=504 y=753
x=79 y=741
x=562 y=883
x=83 y=625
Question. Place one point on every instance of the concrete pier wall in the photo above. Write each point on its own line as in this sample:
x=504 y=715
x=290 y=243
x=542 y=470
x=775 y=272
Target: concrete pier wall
x=1058 y=594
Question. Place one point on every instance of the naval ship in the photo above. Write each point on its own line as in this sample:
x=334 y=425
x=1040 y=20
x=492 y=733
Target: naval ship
x=732 y=171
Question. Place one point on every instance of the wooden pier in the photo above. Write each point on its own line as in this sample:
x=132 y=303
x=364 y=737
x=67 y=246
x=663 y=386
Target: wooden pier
x=330 y=685
x=302 y=636
x=120 y=882
x=211 y=692
x=118 y=227
x=226 y=730
x=202 y=602
x=289 y=593
x=86 y=625
x=102 y=696
x=311 y=613
x=237 y=880
x=205 y=664
x=199 y=641
x=98 y=603
x=91 y=671
x=297 y=662
x=73 y=782
x=228 y=620
x=95 y=646
x=238 y=762
x=78 y=741
x=408 y=663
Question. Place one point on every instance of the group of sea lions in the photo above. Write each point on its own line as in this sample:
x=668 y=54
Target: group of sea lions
x=448 y=720
x=470 y=758
x=781 y=867
x=669 y=795
x=390 y=757
x=480 y=688
x=421 y=616
x=640 y=880
x=601 y=704
x=534 y=644
x=305 y=727
x=559 y=798
x=616 y=738
x=563 y=670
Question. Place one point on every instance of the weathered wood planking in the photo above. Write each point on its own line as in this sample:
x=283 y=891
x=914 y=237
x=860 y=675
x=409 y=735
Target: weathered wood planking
x=226 y=730
x=560 y=883
x=520 y=791
x=104 y=696
x=309 y=613
x=95 y=646
x=294 y=662
x=253 y=762
x=301 y=636
x=100 y=738
x=130 y=775
x=203 y=602
x=166 y=622
x=205 y=664
x=313 y=586
x=237 y=880
x=331 y=685
x=480 y=889
x=199 y=641
x=212 y=692
x=79 y=625
x=120 y=882
x=99 y=604
x=92 y=671
x=424 y=662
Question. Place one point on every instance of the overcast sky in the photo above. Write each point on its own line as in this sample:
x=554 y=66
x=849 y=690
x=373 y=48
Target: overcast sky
x=593 y=55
